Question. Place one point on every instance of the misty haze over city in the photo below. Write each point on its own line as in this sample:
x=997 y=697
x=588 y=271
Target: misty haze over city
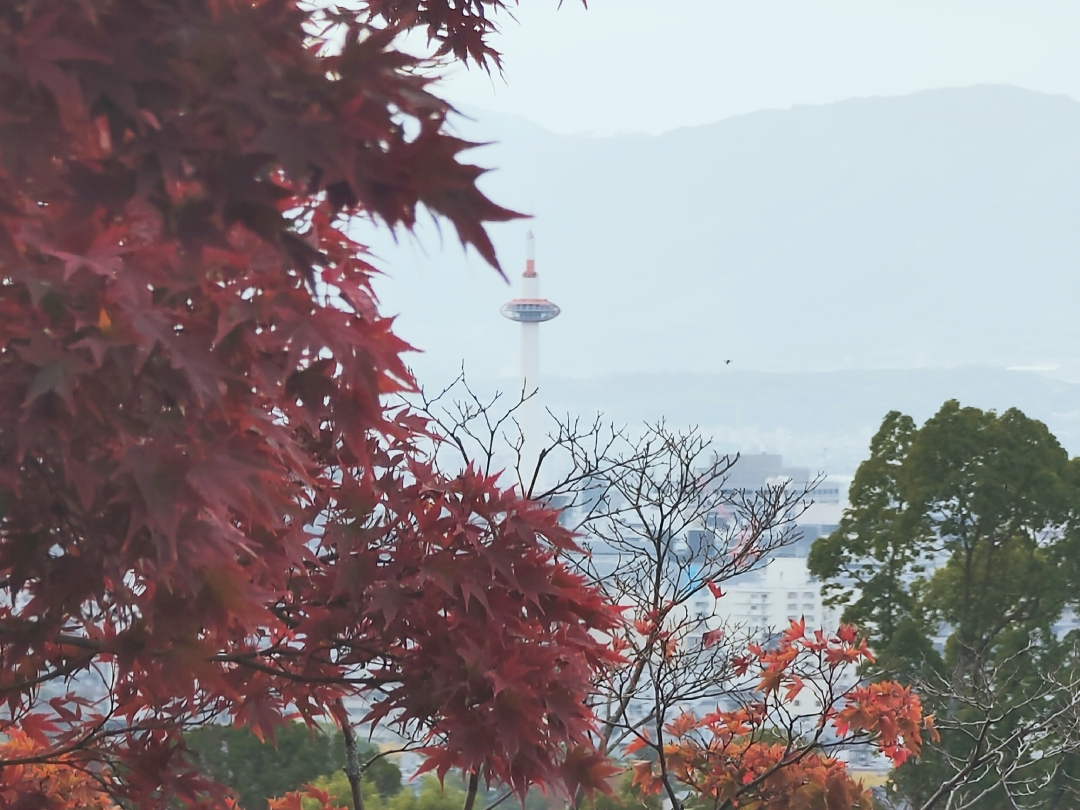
x=843 y=257
x=786 y=247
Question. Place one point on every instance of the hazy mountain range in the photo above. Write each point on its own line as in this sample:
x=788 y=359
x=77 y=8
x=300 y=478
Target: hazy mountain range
x=933 y=231
x=823 y=420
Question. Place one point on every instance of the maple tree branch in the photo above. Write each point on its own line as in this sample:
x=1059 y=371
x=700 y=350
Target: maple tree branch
x=243 y=659
x=658 y=746
x=56 y=755
x=69 y=640
x=71 y=666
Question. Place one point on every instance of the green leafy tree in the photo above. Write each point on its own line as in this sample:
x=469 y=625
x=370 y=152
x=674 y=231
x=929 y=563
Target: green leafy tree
x=338 y=786
x=258 y=771
x=431 y=796
x=382 y=773
x=963 y=532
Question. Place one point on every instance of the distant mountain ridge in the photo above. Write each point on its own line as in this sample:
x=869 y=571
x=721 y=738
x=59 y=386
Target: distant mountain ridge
x=935 y=229
x=932 y=237
x=822 y=420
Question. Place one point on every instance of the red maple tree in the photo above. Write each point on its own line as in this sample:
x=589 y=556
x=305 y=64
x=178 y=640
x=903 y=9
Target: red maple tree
x=206 y=507
x=769 y=754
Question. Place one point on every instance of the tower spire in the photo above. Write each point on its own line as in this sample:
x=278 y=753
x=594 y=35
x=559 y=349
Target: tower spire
x=530 y=255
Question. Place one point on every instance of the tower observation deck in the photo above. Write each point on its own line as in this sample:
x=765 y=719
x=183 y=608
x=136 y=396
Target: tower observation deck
x=530 y=307
x=529 y=310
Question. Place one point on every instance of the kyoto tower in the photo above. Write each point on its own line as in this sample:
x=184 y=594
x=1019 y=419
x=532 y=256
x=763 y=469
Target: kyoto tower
x=530 y=310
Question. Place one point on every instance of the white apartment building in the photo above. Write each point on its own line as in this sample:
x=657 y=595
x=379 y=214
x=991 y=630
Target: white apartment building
x=782 y=590
x=770 y=598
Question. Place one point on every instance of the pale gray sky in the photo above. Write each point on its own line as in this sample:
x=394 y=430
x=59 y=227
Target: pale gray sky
x=654 y=65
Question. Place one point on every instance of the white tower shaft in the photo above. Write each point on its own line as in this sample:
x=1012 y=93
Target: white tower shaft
x=530 y=409
x=530 y=369
x=530 y=310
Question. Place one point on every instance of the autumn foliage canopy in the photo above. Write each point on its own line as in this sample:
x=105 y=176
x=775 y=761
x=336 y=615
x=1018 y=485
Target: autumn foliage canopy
x=207 y=508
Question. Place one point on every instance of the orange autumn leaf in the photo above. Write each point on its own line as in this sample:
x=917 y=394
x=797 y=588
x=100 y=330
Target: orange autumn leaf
x=770 y=681
x=637 y=744
x=62 y=784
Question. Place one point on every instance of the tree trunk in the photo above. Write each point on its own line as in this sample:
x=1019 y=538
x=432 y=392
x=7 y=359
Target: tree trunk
x=474 y=784
x=352 y=765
